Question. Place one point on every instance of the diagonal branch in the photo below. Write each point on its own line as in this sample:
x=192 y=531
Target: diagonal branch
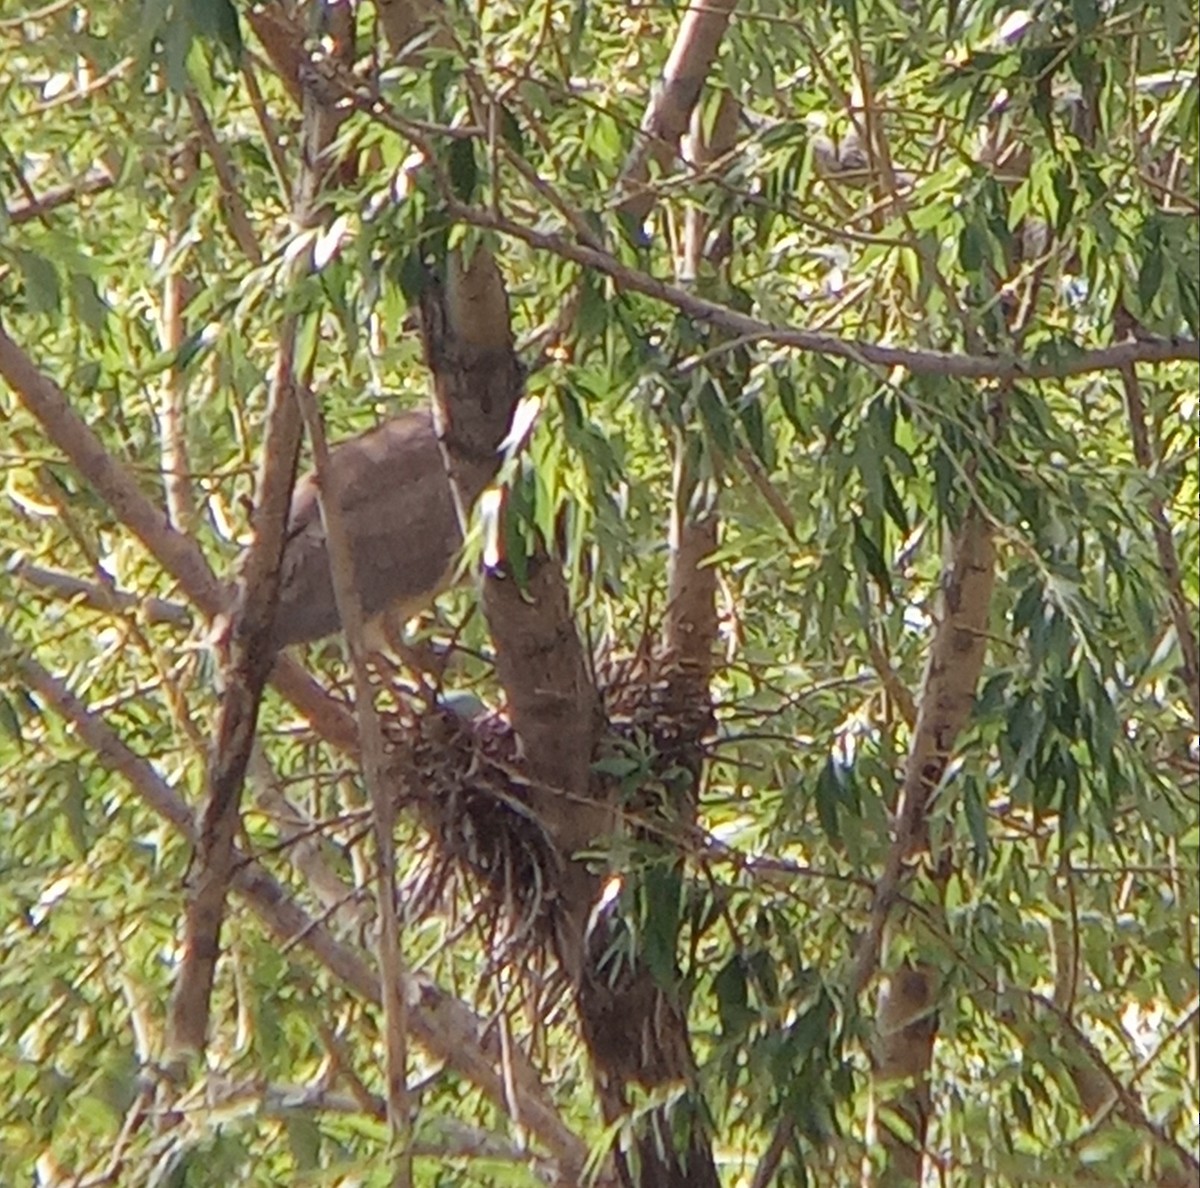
x=905 y=1022
x=442 y=1024
x=37 y=206
x=251 y=655
x=178 y=554
x=100 y=595
x=177 y=293
x=667 y=116
x=1182 y=615
x=947 y=695
x=249 y=665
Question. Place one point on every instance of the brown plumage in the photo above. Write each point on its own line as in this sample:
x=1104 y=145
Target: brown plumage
x=403 y=528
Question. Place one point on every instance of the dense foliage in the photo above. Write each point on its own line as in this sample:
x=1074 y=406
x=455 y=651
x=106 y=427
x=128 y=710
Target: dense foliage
x=1046 y=167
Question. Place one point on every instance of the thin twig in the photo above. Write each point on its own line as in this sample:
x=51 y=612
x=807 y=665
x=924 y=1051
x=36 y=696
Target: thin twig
x=371 y=746
x=37 y=206
x=100 y=596
x=177 y=293
x=1076 y=360
x=1145 y=452
x=231 y=192
x=446 y=1027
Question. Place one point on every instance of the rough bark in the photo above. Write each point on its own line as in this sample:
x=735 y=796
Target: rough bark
x=635 y=1033
x=901 y=1054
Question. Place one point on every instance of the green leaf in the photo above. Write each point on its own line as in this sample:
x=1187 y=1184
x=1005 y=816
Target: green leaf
x=42 y=291
x=829 y=799
x=86 y=303
x=460 y=164
x=10 y=721
x=579 y=20
x=510 y=130
x=715 y=414
x=977 y=823
x=662 y=897
x=756 y=432
x=1189 y=298
x=893 y=504
x=729 y=986
x=217 y=20
x=1021 y=1108
x=304 y=1139
x=177 y=48
x=619 y=766
x=872 y=557
x=972 y=248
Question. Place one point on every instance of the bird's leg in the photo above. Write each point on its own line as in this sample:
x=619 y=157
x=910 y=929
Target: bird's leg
x=424 y=660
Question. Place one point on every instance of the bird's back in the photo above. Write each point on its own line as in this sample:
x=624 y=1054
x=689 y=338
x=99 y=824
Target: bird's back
x=404 y=534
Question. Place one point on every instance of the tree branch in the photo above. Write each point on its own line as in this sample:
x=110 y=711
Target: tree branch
x=249 y=664
x=101 y=597
x=95 y=181
x=667 y=115
x=539 y=658
x=947 y=695
x=371 y=748
x=231 y=193
x=443 y=1025
x=251 y=655
x=1183 y=616
x=906 y=1017
x=177 y=293
x=916 y=361
x=179 y=554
